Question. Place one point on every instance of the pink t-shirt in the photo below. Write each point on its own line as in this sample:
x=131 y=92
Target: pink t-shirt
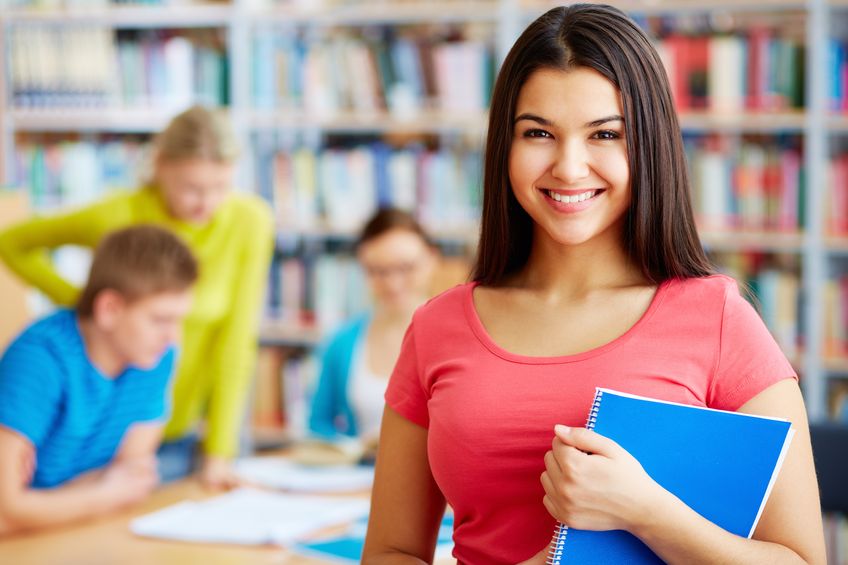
x=490 y=413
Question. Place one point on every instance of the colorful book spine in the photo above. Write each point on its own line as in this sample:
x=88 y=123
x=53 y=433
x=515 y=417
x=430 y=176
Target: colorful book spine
x=775 y=290
x=746 y=185
x=835 y=294
x=342 y=187
x=837 y=186
x=73 y=173
x=752 y=70
x=403 y=73
x=836 y=538
x=83 y=66
x=838 y=75
x=322 y=290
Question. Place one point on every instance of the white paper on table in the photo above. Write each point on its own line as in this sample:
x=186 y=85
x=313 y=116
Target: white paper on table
x=284 y=474
x=249 y=517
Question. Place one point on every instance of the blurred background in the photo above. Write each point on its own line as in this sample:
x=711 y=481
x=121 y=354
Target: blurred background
x=342 y=107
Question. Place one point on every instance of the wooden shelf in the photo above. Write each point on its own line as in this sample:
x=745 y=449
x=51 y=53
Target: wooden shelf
x=89 y=120
x=459 y=235
x=651 y=7
x=837 y=245
x=164 y=16
x=792 y=121
x=731 y=240
x=836 y=366
x=838 y=123
x=424 y=122
x=382 y=12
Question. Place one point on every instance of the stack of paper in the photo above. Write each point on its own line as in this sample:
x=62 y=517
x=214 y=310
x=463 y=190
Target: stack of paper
x=249 y=517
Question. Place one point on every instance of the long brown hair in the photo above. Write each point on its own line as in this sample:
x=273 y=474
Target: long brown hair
x=660 y=234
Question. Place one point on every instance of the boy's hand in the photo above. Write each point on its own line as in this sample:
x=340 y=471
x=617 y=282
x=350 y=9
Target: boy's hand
x=127 y=482
x=217 y=473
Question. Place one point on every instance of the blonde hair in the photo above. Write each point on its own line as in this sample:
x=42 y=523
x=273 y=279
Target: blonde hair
x=197 y=133
x=137 y=262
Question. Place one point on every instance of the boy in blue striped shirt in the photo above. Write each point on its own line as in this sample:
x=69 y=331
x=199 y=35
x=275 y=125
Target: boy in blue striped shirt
x=83 y=392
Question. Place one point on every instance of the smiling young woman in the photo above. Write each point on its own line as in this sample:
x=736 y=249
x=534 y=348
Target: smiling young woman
x=589 y=274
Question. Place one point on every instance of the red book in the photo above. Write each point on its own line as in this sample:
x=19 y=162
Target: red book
x=758 y=67
x=678 y=50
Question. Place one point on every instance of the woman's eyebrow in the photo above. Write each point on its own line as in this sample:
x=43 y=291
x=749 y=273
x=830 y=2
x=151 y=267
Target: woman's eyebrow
x=548 y=123
x=534 y=118
x=602 y=121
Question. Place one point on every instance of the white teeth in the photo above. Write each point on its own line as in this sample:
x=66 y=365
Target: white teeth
x=572 y=199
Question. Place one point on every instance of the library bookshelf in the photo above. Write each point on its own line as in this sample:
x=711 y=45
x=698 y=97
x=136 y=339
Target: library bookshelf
x=412 y=129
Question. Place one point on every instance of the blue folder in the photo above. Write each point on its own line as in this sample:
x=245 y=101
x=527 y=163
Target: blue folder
x=721 y=464
x=347 y=548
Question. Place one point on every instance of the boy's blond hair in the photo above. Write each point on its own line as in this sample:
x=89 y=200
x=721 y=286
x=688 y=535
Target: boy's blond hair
x=137 y=262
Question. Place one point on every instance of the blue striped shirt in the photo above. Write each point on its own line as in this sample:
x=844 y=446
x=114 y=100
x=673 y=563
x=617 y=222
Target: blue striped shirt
x=74 y=415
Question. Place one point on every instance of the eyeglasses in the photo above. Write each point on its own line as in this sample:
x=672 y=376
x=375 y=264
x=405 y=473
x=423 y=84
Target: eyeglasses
x=401 y=269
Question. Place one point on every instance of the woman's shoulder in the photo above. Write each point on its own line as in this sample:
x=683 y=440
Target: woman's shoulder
x=709 y=291
x=451 y=302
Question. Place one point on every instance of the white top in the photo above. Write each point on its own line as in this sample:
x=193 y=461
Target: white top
x=366 y=390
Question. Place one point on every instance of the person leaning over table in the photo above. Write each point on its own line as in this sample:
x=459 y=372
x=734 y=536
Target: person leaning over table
x=231 y=234
x=83 y=391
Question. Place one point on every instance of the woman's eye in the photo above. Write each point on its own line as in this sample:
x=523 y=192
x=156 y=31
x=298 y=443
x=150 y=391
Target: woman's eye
x=606 y=134
x=536 y=133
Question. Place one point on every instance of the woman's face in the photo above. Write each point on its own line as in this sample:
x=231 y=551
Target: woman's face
x=568 y=162
x=398 y=266
x=194 y=189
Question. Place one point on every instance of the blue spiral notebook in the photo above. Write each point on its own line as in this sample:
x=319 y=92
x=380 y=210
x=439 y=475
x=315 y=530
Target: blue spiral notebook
x=721 y=464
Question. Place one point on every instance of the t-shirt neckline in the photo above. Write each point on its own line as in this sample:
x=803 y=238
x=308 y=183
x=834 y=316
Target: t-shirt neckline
x=483 y=336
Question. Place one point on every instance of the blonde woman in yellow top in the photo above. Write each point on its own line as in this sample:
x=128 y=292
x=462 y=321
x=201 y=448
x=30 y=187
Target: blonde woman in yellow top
x=231 y=234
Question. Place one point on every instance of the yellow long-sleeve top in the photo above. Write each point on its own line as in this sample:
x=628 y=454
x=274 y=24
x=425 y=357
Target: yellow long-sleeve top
x=219 y=334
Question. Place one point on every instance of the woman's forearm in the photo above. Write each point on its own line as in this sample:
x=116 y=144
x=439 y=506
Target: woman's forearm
x=679 y=535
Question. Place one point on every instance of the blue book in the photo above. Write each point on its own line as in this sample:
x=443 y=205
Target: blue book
x=347 y=548
x=721 y=464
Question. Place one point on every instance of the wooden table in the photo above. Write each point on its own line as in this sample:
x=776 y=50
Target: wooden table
x=108 y=541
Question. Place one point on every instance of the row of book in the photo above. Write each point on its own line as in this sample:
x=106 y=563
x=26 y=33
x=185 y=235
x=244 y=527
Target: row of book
x=90 y=66
x=836 y=187
x=773 y=285
x=342 y=187
x=836 y=538
x=374 y=70
x=747 y=184
x=737 y=184
x=284 y=385
x=755 y=70
x=75 y=172
x=317 y=290
x=835 y=295
x=838 y=75
x=82 y=4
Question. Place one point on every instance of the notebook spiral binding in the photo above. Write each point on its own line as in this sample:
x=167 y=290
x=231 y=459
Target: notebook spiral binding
x=561 y=531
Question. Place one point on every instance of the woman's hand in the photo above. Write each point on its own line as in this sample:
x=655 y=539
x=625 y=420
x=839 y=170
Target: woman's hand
x=592 y=483
x=217 y=473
